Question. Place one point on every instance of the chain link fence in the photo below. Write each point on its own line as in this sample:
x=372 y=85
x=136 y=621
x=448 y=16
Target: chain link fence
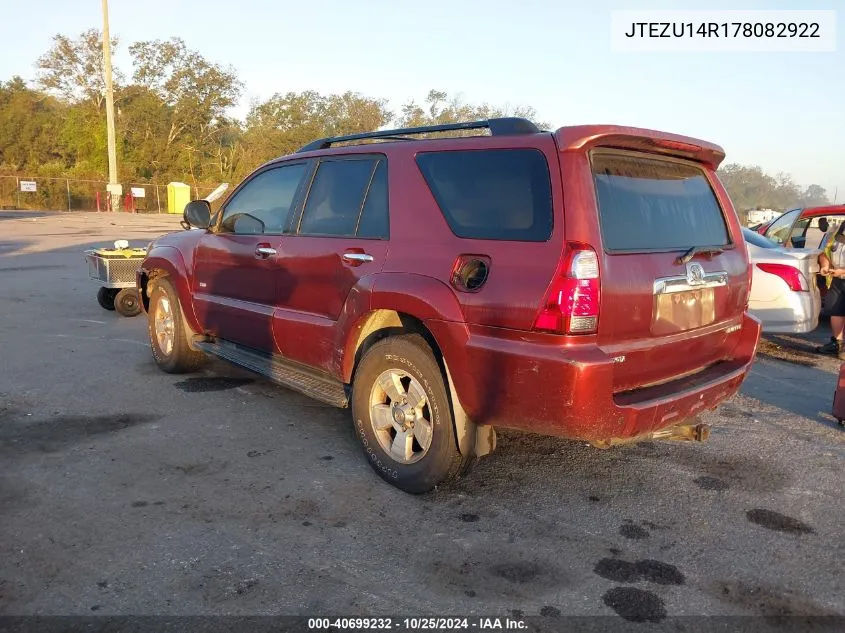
x=40 y=193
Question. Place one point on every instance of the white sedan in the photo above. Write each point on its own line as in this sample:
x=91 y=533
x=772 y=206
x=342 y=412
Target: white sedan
x=784 y=292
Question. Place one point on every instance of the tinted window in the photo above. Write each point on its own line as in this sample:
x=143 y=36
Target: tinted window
x=651 y=204
x=338 y=195
x=374 y=220
x=492 y=194
x=753 y=237
x=264 y=203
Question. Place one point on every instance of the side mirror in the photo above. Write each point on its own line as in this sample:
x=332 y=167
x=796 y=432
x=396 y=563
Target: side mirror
x=198 y=214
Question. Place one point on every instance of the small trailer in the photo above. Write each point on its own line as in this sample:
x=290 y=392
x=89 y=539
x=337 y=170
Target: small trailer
x=114 y=268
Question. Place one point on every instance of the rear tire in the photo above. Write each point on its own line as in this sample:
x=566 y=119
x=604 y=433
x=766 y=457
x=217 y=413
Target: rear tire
x=105 y=297
x=168 y=335
x=402 y=415
x=127 y=302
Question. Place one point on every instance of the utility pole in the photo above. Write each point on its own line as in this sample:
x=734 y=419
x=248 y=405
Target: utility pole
x=114 y=187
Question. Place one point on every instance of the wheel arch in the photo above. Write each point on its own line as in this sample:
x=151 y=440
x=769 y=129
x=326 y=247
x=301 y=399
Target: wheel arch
x=167 y=262
x=472 y=439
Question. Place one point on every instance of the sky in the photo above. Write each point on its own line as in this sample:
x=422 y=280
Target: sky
x=782 y=111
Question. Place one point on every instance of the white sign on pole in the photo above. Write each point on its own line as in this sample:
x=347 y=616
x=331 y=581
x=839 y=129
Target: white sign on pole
x=28 y=185
x=139 y=192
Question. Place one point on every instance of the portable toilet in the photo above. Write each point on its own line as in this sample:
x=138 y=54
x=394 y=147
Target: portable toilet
x=178 y=195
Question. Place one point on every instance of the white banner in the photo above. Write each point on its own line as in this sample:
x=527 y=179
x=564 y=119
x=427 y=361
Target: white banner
x=28 y=185
x=139 y=192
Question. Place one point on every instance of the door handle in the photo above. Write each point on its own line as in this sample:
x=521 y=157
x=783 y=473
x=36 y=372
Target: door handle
x=357 y=258
x=263 y=252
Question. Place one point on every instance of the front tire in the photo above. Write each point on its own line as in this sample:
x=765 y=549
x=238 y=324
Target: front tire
x=169 y=338
x=402 y=415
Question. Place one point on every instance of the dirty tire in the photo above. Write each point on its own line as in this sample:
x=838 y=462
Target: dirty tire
x=105 y=297
x=410 y=355
x=127 y=302
x=178 y=357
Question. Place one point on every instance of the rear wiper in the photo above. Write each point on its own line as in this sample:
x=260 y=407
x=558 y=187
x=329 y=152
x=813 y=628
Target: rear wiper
x=698 y=250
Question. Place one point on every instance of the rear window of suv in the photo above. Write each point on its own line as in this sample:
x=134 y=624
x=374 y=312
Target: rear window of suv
x=649 y=204
x=500 y=194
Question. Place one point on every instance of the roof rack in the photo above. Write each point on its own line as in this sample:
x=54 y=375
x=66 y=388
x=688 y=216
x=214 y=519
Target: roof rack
x=504 y=126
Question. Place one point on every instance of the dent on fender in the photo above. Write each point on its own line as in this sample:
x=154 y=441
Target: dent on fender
x=369 y=303
x=417 y=295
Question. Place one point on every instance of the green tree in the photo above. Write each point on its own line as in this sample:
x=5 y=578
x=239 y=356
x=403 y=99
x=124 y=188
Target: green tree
x=748 y=186
x=142 y=123
x=814 y=196
x=196 y=91
x=284 y=123
x=173 y=121
x=73 y=68
x=30 y=123
x=440 y=108
x=751 y=188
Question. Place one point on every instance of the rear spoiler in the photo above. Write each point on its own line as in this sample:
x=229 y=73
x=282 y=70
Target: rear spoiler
x=585 y=137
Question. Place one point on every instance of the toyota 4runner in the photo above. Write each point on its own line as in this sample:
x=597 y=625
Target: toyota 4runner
x=589 y=283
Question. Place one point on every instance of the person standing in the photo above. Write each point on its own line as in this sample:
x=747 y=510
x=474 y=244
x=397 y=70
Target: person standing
x=832 y=264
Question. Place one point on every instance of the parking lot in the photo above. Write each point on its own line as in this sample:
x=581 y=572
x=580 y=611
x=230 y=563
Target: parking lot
x=124 y=490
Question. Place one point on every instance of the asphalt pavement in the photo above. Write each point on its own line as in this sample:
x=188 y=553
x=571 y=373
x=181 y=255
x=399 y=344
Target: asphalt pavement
x=127 y=491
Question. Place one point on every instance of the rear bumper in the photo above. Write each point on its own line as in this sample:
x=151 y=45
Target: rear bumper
x=568 y=391
x=793 y=313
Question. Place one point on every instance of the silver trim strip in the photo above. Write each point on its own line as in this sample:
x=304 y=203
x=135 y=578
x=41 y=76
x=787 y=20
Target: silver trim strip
x=670 y=285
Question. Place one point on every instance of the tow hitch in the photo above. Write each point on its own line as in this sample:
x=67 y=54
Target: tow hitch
x=684 y=433
x=681 y=433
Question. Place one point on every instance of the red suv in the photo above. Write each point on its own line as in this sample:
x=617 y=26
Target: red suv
x=589 y=283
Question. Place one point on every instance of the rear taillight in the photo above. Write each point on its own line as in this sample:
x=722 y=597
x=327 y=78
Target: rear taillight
x=791 y=275
x=572 y=303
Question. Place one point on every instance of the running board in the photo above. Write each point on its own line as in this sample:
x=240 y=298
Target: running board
x=282 y=372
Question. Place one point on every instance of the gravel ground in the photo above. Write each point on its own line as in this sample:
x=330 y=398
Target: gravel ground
x=126 y=491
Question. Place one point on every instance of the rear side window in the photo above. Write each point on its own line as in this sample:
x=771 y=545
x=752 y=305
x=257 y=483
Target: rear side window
x=347 y=198
x=648 y=204
x=501 y=194
x=374 y=222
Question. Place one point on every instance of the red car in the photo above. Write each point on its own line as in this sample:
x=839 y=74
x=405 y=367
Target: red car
x=590 y=283
x=799 y=228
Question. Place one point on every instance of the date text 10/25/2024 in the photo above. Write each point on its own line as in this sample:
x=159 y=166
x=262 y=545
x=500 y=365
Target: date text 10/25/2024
x=416 y=624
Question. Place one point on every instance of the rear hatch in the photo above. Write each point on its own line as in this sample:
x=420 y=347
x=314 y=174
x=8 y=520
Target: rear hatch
x=675 y=276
